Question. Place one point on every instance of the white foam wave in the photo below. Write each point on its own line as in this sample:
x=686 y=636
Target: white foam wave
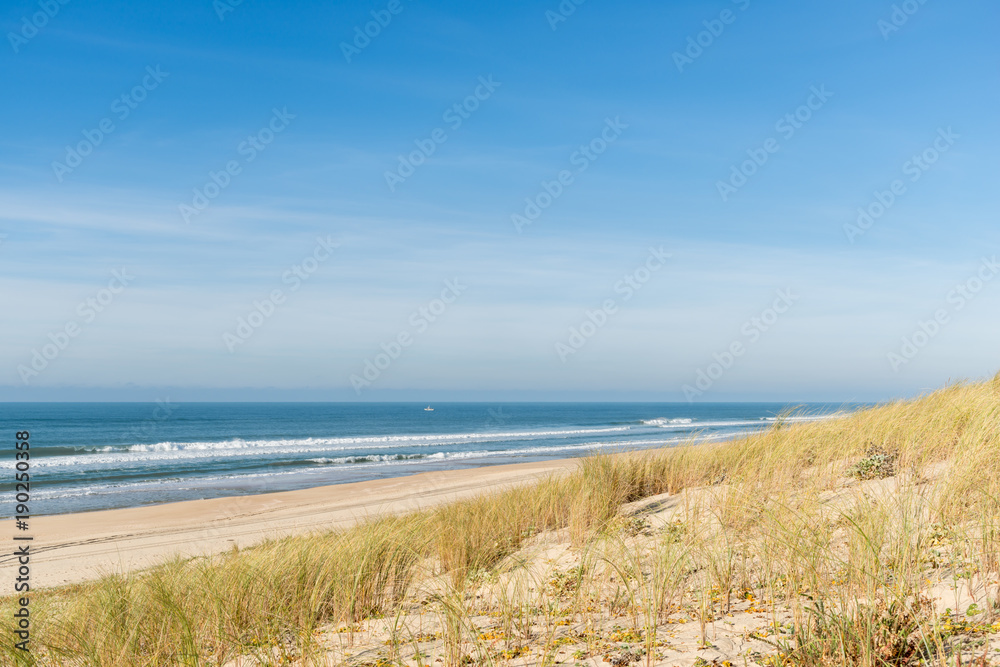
x=733 y=423
x=176 y=452
x=373 y=458
x=317 y=473
x=370 y=442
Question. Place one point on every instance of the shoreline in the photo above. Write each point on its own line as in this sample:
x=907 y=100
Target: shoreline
x=108 y=456
x=77 y=547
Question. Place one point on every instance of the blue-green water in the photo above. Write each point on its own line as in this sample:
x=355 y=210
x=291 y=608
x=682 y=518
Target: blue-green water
x=89 y=456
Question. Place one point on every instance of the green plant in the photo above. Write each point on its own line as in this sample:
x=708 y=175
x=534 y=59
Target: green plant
x=878 y=463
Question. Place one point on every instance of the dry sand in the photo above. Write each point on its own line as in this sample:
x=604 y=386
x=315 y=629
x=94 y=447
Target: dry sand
x=70 y=548
x=550 y=626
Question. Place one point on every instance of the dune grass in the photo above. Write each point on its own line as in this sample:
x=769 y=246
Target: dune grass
x=771 y=519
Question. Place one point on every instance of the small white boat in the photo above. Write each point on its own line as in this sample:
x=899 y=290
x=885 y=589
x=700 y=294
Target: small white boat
x=428 y=409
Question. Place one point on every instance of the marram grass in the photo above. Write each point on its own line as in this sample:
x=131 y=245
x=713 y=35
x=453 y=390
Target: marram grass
x=765 y=515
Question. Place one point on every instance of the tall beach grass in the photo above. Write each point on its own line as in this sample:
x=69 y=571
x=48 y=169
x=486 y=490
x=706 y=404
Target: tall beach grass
x=845 y=523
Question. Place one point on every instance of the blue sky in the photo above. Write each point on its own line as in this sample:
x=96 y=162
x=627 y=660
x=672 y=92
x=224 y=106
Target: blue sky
x=641 y=136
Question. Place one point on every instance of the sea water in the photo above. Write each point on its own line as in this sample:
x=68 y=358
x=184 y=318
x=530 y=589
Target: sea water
x=91 y=456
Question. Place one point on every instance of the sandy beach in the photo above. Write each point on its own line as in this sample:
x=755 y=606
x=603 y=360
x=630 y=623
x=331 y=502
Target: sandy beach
x=71 y=548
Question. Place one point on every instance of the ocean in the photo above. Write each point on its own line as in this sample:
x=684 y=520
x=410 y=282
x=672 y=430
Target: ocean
x=92 y=456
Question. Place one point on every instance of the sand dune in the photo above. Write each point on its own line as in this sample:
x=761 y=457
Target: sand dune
x=71 y=548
